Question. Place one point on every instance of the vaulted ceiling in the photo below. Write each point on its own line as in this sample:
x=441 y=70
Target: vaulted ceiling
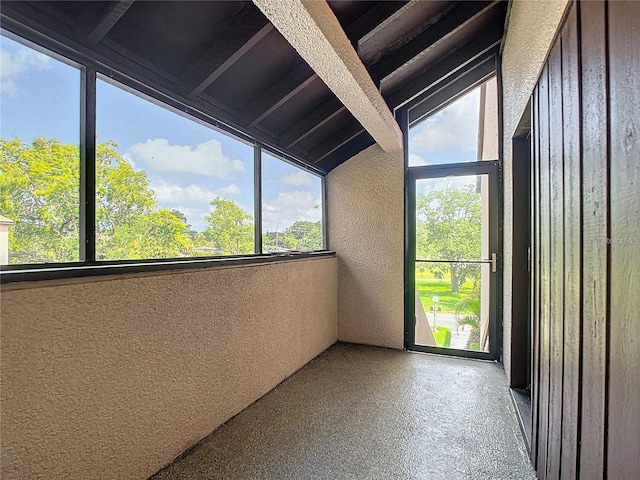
x=225 y=59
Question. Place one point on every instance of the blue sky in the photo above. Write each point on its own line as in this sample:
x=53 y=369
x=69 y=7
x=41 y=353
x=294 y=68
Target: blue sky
x=449 y=136
x=187 y=164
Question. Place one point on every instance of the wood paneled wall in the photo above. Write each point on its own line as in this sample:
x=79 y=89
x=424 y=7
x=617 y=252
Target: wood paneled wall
x=586 y=247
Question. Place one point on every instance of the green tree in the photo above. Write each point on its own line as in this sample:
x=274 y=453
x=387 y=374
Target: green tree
x=278 y=241
x=308 y=235
x=230 y=228
x=180 y=216
x=449 y=228
x=157 y=234
x=123 y=201
x=39 y=191
x=193 y=234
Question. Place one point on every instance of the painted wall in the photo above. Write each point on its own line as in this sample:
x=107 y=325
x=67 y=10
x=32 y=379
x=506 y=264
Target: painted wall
x=365 y=221
x=114 y=377
x=531 y=29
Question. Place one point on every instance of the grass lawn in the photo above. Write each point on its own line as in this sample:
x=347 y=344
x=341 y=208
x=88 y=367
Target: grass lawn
x=442 y=336
x=428 y=286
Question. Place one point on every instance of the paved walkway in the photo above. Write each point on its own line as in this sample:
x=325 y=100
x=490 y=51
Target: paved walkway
x=459 y=333
x=363 y=413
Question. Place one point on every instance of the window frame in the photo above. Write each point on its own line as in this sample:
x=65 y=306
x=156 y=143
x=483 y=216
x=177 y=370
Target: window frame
x=91 y=69
x=323 y=195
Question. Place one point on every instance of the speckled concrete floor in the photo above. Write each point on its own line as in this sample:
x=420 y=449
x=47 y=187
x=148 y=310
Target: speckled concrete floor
x=359 y=412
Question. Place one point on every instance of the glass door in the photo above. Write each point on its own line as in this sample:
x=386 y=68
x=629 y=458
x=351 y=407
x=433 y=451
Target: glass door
x=452 y=260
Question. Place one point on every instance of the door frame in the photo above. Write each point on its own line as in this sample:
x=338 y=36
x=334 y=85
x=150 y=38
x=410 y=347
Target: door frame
x=412 y=174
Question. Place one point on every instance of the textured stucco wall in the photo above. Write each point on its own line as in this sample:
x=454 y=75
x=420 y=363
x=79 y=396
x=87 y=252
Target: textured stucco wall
x=365 y=215
x=530 y=32
x=113 y=378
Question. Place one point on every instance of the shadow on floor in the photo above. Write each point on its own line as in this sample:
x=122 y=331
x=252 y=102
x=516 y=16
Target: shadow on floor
x=358 y=412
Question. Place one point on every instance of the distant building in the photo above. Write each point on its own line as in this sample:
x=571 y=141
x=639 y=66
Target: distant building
x=5 y=223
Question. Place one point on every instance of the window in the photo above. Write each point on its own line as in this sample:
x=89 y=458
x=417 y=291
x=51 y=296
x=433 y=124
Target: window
x=40 y=160
x=291 y=207
x=464 y=131
x=168 y=185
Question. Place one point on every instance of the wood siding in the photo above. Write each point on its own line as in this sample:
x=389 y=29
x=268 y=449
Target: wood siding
x=586 y=247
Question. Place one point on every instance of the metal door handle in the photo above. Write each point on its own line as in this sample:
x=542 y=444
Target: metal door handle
x=494 y=262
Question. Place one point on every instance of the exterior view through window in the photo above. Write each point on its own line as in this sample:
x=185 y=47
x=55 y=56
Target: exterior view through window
x=166 y=185
x=463 y=131
x=454 y=251
x=451 y=241
x=291 y=207
x=40 y=162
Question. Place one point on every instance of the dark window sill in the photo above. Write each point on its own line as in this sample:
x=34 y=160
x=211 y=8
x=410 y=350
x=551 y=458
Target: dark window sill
x=34 y=273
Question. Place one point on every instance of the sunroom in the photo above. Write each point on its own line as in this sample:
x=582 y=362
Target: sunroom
x=319 y=239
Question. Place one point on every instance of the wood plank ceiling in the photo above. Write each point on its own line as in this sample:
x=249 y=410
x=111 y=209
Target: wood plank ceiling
x=225 y=59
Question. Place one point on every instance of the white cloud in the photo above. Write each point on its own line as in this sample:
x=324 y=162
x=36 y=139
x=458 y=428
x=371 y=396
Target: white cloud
x=455 y=126
x=192 y=200
x=191 y=194
x=231 y=190
x=129 y=159
x=204 y=159
x=297 y=179
x=428 y=185
x=289 y=207
x=12 y=64
x=187 y=211
x=416 y=160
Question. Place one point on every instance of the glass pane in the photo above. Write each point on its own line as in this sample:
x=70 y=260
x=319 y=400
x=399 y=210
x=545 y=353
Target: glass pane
x=449 y=217
x=452 y=305
x=452 y=285
x=168 y=186
x=39 y=167
x=464 y=131
x=291 y=207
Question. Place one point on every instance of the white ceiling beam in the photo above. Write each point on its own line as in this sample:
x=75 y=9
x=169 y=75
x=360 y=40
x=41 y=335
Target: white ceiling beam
x=313 y=30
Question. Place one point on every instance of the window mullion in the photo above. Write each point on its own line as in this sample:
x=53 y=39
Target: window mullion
x=325 y=220
x=88 y=166
x=257 y=198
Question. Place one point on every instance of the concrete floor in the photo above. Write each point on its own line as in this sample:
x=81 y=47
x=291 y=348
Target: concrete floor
x=358 y=412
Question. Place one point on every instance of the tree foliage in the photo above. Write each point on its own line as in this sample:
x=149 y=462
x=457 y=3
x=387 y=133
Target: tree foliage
x=302 y=235
x=449 y=228
x=230 y=228
x=39 y=191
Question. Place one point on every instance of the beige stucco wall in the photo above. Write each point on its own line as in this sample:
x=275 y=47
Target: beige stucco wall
x=365 y=220
x=114 y=377
x=531 y=29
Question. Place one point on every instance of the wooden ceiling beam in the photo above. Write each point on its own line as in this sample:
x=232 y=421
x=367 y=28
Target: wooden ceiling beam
x=348 y=150
x=293 y=83
x=234 y=38
x=373 y=17
x=237 y=55
x=337 y=140
x=469 y=53
x=270 y=101
x=455 y=21
x=314 y=31
x=405 y=24
x=312 y=121
x=108 y=20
